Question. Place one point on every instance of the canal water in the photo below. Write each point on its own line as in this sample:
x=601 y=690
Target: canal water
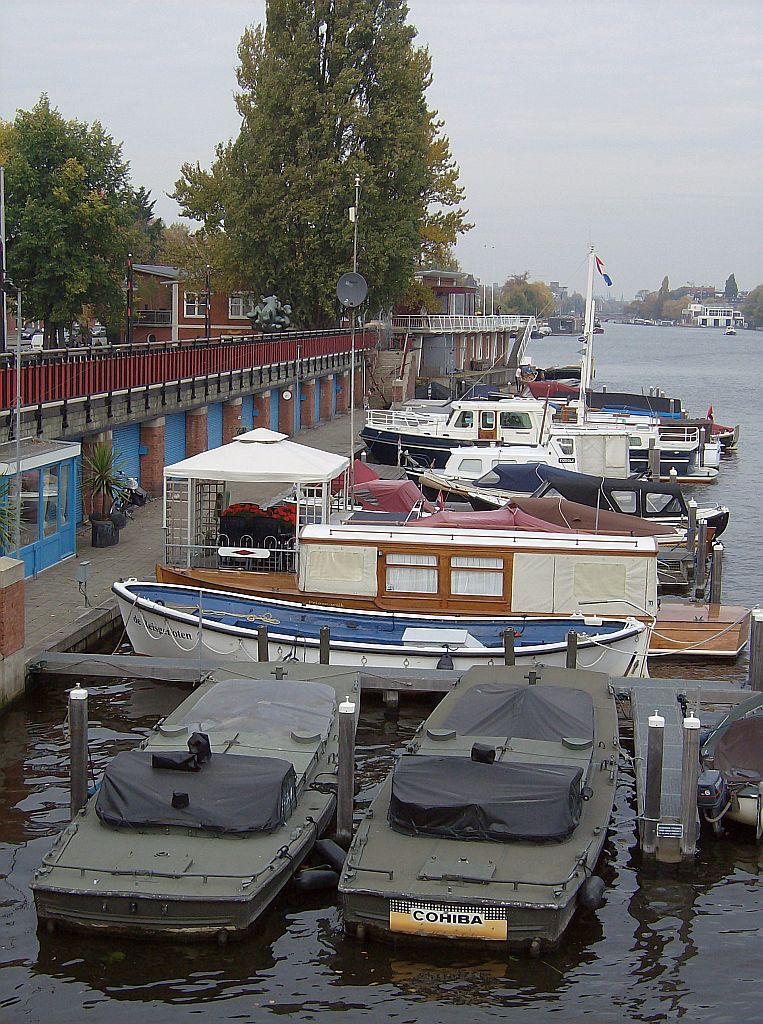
x=665 y=946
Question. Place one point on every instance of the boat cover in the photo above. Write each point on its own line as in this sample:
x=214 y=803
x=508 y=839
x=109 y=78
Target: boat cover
x=389 y=496
x=257 y=705
x=457 y=798
x=511 y=477
x=530 y=712
x=594 y=490
x=740 y=747
x=506 y=518
x=571 y=515
x=232 y=793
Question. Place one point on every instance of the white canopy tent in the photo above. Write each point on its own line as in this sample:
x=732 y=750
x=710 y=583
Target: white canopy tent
x=196 y=489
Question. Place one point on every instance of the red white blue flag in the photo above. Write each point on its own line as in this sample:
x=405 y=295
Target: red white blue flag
x=602 y=271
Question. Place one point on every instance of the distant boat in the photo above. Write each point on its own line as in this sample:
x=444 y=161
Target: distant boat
x=730 y=330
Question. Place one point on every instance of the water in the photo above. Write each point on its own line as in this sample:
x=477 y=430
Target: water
x=664 y=947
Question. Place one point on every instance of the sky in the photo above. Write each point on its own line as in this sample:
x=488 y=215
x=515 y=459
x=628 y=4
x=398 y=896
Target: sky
x=634 y=126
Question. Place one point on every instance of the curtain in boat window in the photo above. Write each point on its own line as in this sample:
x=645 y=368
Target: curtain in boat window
x=329 y=569
x=411 y=574
x=478 y=577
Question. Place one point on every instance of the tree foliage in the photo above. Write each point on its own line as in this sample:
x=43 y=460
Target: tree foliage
x=730 y=290
x=664 y=304
x=524 y=297
x=752 y=307
x=330 y=89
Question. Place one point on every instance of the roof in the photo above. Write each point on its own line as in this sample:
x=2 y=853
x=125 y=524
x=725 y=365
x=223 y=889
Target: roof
x=158 y=270
x=261 y=456
x=36 y=452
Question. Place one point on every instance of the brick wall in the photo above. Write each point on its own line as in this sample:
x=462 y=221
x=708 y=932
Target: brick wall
x=307 y=404
x=196 y=437
x=326 y=385
x=11 y=606
x=152 y=463
x=231 y=419
x=286 y=412
x=343 y=394
x=261 y=409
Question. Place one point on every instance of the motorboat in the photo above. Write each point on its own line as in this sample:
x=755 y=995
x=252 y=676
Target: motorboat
x=492 y=823
x=730 y=785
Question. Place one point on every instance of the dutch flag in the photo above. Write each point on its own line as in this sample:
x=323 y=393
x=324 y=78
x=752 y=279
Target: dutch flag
x=602 y=271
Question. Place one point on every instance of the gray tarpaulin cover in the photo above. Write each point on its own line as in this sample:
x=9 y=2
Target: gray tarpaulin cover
x=457 y=798
x=740 y=747
x=231 y=793
x=530 y=712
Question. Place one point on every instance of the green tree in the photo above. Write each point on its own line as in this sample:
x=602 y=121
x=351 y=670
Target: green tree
x=147 y=229
x=69 y=210
x=752 y=307
x=330 y=90
x=524 y=297
x=730 y=291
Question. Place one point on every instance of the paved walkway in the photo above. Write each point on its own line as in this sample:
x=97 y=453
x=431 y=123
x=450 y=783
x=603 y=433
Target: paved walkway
x=53 y=599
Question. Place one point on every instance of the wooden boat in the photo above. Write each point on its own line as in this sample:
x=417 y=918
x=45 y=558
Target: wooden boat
x=491 y=825
x=170 y=621
x=195 y=833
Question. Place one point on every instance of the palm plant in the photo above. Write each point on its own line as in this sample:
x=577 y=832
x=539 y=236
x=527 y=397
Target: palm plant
x=103 y=478
x=7 y=514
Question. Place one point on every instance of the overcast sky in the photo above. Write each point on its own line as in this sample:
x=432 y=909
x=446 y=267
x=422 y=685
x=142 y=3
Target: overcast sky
x=633 y=125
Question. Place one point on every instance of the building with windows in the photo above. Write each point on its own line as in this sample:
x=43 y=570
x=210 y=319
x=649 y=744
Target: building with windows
x=699 y=315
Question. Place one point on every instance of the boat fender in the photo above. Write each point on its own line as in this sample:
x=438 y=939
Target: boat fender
x=316 y=880
x=331 y=852
x=591 y=895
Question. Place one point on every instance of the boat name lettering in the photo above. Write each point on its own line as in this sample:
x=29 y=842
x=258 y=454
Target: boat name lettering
x=162 y=630
x=446 y=917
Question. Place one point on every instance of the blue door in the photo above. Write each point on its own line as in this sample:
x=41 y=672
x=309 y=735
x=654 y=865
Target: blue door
x=274 y=399
x=247 y=412
x=126 y=441
x=317 y=408
x=215 y=425
x=174 y=438
x=334 y=392
x=48 y=521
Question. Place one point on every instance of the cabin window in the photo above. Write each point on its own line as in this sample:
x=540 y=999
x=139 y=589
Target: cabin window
x=411 y=574
x=470 y=466
x=625 y=500
x=338 y=569
x=662 y=504
x=566 y=446
x=634 y=441
x=477 y=577
x=465 y=420
x=487 y=419
x=518 y=420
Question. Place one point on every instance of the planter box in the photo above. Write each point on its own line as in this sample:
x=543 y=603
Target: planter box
x=104 y=533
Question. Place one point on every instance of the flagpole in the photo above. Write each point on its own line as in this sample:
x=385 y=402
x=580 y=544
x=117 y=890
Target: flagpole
x=352 y=333
x=585 y=365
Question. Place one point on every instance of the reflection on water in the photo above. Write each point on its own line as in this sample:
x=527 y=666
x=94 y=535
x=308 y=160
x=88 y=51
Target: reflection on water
x=666 y=945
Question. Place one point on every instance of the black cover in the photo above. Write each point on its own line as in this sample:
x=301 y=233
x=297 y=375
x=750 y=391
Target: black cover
x=457 y=798
x=527 y=712
x=596 y=490
x=740 y=747
x=232 y=793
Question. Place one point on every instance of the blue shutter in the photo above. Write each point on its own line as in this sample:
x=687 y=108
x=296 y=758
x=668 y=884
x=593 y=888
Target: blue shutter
x=297 y=411
x=317 y=412
x=174 y=438
x=126 y=441
x=274 y=398
x=247 y=412
x=215 y=425
x=334 y=393
x=78 y=469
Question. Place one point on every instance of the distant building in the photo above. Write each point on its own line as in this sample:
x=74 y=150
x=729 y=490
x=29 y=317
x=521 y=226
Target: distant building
x=699 y=315
x=456 y=291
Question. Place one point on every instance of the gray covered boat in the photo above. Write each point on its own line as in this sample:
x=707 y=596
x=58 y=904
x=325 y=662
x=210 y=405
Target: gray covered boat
x=493 y=820
x=197 y=831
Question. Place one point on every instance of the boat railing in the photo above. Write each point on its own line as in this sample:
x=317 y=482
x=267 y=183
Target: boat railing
x=681 y=435
x=279 y=558
x=396 y=418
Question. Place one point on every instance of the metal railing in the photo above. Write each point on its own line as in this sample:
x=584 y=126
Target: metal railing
x=444 y=324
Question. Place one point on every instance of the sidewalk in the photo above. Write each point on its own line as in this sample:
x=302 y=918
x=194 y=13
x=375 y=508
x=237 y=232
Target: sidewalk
x=53 y=601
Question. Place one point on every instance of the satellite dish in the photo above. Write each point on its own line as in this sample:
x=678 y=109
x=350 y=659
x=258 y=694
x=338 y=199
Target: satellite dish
x=351 y=289
x=286 y=395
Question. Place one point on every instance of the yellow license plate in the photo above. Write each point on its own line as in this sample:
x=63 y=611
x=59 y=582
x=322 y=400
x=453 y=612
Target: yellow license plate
x=447 y=921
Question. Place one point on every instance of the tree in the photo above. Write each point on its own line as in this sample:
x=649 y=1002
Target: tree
x=753 y=307
x=730 y=291
x=69 y=208
x=330 y=90
x=147 y=229
x=526 y=298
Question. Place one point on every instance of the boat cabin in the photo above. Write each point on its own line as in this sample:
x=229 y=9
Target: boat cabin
x=508 y=421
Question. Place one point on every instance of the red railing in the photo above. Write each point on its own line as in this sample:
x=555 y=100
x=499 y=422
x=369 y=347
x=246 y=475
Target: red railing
x=52 y=376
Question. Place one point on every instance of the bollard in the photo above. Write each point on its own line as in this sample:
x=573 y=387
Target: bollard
x=689 y=776
x=691 y=526
x=716 y=573
x=572 y=649
x=755 y=670
x=262 y=643
x=325 y=645
x=654 y=459
x=78 y=749
x=653 y=789
x=508 y=647
x=702 y=443
x=700 y=562
x=345 y=790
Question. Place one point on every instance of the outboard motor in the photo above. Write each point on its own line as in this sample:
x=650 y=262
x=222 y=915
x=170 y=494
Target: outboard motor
x=713 y=795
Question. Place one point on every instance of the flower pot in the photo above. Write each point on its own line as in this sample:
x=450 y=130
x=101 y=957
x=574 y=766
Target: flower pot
x=104 y=533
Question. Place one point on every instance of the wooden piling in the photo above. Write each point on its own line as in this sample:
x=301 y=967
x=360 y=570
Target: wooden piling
x=653 y=793
x=691 y=526
x=654 y=459
x=756 y=650
x=689 y=777
x=716 y=573
x=345 y=793
x=572 y=650
x=508 y=647
x=78 y=749
x=700 y=562
x=262 y=643
x=325 y=645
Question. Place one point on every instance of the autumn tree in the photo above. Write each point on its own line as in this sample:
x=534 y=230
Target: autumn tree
x=524 y=297
x=752 y=307
x=329 y=91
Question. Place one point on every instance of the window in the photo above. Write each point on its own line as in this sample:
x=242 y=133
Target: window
x=566 y=446
x=470 y=466
x=240 y=305
x=195 y=303
x=487 y=419
x=625 y=500
x=466 y=420
x=518 y=420
x=50 y=500
x=634 y=441
x=662 y=504
x=478 y=577
x=30 y=507
x=411 y=574
x=63 y=494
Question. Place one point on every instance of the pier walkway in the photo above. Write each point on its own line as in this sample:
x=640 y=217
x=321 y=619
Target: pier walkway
x=56 y=615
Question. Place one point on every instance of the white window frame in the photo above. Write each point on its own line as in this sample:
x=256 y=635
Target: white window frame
x=474 y=576
x=245 y=301
x=411 y=574
x=197 y=301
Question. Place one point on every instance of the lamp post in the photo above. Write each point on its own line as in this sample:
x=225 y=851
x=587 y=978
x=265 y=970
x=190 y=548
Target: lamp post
x=492 y=278
x=8 y=287
x=130 y=291
x=207 y=303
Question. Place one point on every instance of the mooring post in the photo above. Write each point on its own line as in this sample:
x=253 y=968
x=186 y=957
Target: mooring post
x=702 y=443
x=654 y=459
x=716 y=573
x=262 y=643
x=653 y=788
x=345 y=790
x=77 y=749
x=689 y=776
x=700 y=567
x=572 y=649
x=325 y=644
x=508 y=647
x=691 y=526
x=756 y=650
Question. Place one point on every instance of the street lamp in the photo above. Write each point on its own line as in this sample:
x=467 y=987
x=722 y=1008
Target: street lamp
x=9 y=288
x=492 y=277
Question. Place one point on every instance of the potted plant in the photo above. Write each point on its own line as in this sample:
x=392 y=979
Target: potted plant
x=7 y=515
x=103 y=481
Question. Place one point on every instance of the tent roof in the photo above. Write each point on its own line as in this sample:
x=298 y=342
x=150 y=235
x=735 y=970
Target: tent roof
x=261 y=456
